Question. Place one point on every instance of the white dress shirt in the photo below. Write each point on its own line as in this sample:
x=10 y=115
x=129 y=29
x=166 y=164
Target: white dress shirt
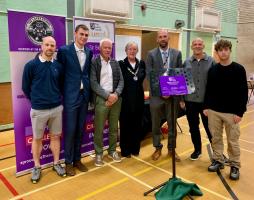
x=106 y=77
x=82 y=59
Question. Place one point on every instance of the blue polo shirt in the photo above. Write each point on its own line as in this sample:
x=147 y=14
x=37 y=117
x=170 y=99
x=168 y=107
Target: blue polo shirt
x=42 y=82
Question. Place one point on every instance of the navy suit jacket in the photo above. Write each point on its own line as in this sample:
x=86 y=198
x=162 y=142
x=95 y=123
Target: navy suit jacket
x=73 y=75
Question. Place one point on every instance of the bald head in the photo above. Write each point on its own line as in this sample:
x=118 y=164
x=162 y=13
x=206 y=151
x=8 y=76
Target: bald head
x=48 y=47
x=163 y=38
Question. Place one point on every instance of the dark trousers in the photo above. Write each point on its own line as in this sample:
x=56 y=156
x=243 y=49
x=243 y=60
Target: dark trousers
x=130 y=132
x=193 y=110
x=74 y=127
x=161 y=109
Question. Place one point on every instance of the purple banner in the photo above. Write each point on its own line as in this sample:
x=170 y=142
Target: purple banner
x=173 y=85
x=25 y=36
x=26 y=30
x=98 y=30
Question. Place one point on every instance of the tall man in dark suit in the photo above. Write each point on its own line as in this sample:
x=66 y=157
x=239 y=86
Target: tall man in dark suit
x=76 y=59
x=158 y=61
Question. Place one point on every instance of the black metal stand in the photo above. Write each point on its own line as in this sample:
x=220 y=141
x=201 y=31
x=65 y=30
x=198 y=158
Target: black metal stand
x=173 y=138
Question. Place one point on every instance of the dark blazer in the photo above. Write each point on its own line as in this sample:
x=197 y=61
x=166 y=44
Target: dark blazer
x=133 y=92
x=154 y=67
x=118 y=82
x=73 y=75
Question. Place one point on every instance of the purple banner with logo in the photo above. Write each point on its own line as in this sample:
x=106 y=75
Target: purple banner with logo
x=98 y=30
x=26 y=31
x=173 y=85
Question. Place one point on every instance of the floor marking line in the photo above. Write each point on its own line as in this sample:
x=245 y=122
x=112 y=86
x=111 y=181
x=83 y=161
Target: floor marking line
x=8 y=185
x=3 y=145
x=130 y=176
x=58 y=182
x=163 y=170
x=250 y=142
x=7 y=168
x=119 y=181
x=104 y=188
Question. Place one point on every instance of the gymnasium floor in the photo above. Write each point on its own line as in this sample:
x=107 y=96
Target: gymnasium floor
x=129 y=179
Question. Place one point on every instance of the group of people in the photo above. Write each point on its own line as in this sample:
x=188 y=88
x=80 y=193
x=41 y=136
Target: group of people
x=116 y=91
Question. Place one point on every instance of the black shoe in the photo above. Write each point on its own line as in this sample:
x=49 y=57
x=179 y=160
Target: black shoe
x=195 y=155
x=215 y=166
x=234 y=173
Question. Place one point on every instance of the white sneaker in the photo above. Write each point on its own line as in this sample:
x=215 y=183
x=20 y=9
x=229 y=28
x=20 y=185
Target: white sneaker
x=115 y=156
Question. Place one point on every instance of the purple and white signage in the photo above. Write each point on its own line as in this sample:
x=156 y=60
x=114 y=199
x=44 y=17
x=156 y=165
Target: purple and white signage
x=98 y=29
x=26 y=31
x=173 y=85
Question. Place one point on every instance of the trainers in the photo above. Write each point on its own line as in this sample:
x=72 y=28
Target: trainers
x=115 y=156
x=59 y=170
x=216 y=165
x=98 y=161
x=195 y=155
x=36 y=174
x=234 y=173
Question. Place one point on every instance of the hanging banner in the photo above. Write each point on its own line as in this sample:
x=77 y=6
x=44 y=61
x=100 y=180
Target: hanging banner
x=26 y=31
x=98 y=30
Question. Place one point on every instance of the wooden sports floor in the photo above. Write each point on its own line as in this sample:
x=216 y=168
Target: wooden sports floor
x=129 y=179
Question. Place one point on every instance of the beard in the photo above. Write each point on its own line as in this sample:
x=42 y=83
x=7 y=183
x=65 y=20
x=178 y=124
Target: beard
x=163 y=45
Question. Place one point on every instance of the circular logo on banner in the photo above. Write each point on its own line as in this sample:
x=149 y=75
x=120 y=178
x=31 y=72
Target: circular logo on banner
x=38 y=27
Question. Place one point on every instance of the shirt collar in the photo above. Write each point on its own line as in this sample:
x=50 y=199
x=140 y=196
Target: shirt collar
x=78 y=49
x=44 y=60
x=161 y=50
x=205 y=57
x=102 y=59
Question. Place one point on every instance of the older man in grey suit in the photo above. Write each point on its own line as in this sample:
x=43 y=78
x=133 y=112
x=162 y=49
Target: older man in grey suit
x=107 y=84
x=158 y=61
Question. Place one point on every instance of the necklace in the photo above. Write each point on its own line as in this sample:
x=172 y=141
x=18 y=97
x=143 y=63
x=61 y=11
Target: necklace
x=135 y=78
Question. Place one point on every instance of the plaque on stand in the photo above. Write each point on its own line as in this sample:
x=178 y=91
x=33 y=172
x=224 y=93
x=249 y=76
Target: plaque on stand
x=175 y=82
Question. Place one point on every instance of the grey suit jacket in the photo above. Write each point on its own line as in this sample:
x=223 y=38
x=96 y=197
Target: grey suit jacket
x=118 y=82
x=155 y=69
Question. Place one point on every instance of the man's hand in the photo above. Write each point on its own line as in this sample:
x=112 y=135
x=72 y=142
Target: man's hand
x=112 y=98
x=165 y=97
x=237 y=119
x=108 y=104
x=205 y=112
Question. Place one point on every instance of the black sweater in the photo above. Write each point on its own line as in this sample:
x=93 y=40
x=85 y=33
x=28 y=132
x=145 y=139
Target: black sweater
x=227 y=89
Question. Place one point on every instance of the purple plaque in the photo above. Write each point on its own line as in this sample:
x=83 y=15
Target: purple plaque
x=173 y=85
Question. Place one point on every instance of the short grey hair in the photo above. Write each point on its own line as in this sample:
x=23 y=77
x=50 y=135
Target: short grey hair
x=132 y=43
x=105 y=40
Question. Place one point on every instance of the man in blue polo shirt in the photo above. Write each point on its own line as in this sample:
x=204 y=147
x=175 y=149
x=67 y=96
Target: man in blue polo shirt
x=41 y=85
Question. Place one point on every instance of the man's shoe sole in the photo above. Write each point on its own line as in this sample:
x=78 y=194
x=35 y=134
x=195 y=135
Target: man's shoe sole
x=114 y=160
x=195 y=158
x=234 y=178
x=98 y=165
x=35 y=181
